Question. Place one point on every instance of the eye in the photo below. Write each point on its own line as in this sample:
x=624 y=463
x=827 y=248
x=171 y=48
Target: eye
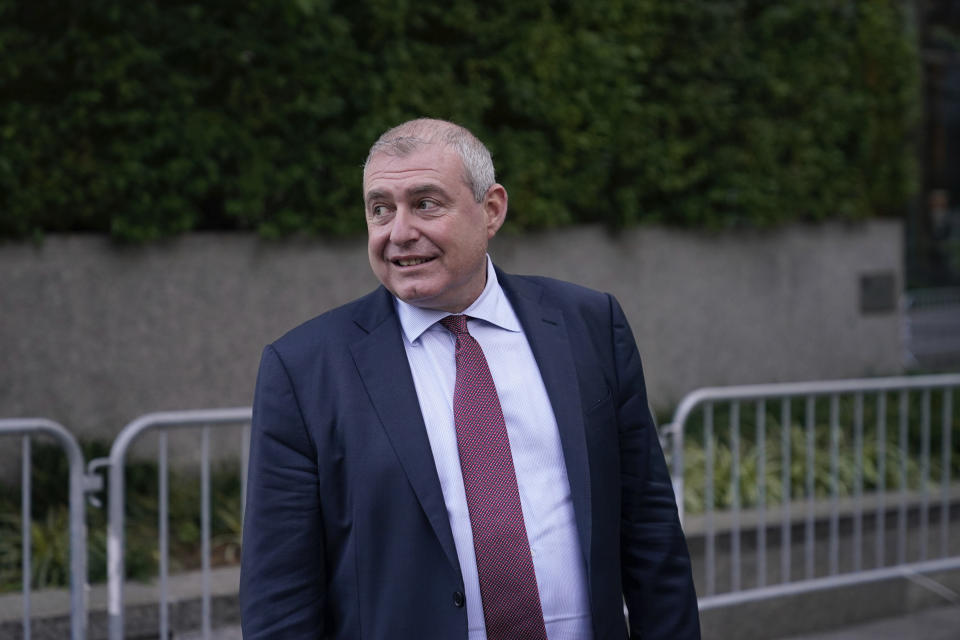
x=379 y=211
x=427 y=205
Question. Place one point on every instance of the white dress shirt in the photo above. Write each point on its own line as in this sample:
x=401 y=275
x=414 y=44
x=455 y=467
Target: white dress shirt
x=534 y=443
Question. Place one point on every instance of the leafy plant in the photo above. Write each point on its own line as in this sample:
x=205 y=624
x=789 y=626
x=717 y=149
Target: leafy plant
x=145 y=119
x=896 y=458
x=49 y=528
x=49 y=555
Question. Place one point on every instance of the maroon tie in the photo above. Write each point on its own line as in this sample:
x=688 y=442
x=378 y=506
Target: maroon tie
x=508 y=584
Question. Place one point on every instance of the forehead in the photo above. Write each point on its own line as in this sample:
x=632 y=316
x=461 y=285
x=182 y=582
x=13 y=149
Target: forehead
x=431 y=163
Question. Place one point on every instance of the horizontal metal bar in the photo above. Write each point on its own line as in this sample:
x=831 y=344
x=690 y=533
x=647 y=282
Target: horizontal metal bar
x=812 y=388
x=172 y=420
x=847 y=506
x=906 y=571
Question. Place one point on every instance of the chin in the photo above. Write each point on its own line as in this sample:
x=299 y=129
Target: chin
x=413 y=296
x=426 y=301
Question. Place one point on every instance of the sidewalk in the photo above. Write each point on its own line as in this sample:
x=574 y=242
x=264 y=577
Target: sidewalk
x=933 y=624
x=223 y=633
x=942 y=623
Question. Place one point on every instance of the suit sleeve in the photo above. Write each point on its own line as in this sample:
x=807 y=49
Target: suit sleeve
x=657 y=580
x=282 y=574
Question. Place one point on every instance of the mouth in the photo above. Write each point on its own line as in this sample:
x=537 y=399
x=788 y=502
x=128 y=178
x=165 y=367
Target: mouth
x=410 y=262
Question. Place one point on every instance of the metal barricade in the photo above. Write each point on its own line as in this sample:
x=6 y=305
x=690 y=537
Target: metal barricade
x=204 y=419
x=880 y=422
x=79 y=483
x=904 y=428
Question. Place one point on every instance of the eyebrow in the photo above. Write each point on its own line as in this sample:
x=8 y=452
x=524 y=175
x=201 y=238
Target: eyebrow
x=416 y=190
x=375 y=195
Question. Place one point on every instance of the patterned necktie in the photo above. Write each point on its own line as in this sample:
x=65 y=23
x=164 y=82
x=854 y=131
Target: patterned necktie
x=508 y=584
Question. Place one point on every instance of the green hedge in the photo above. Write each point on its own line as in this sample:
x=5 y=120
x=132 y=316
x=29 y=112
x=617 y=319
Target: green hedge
x=145 y=119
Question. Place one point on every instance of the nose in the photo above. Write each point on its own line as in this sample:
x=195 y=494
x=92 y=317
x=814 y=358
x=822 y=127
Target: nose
x=403 y=229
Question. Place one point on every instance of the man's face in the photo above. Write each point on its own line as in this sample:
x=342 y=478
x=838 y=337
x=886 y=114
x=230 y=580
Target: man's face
x=427 y=235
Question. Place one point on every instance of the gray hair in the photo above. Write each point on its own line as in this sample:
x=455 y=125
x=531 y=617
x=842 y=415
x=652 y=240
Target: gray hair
x=412 y=135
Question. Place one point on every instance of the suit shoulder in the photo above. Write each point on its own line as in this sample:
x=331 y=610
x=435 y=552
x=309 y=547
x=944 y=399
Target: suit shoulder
x=329 y=327
x=568 y=292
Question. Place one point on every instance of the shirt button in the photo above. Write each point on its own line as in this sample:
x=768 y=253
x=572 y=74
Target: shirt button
x=458 y=599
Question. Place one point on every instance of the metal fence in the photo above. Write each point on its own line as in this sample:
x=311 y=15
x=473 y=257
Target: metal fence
x=834 y=461
x=162 y=422
x=789 y=487
x=28 y=428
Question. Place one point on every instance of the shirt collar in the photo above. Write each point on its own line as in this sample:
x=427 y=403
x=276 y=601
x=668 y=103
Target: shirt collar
x=491 y=306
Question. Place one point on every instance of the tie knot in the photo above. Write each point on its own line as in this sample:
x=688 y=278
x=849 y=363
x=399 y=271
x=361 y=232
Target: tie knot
x=457 y=325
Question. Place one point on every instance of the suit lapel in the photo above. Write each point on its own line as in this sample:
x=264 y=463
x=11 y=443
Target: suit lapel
x=547 y=334
x=383 y=367
x=382 y=363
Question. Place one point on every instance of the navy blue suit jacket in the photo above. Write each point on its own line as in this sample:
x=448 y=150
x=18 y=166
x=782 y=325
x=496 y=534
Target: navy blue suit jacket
x=346 y=533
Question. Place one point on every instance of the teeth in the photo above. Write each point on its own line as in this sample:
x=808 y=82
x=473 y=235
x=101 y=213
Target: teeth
x=410 y=262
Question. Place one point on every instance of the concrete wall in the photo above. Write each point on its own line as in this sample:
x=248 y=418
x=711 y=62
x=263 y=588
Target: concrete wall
x=736 y=307
x=94 y=335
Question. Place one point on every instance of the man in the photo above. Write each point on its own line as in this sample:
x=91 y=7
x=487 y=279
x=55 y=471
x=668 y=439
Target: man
x=462 y=453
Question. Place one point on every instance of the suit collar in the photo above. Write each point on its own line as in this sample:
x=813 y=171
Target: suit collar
x=491 y=306
x=374 y=309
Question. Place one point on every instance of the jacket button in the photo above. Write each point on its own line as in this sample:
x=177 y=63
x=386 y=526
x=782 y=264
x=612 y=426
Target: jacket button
x=458 y=599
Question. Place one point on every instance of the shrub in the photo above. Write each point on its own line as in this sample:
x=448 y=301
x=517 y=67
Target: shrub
x=146 y=119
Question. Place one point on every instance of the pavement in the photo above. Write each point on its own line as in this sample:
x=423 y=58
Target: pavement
x=928 y=608
x=224 y=633
x=941 y=623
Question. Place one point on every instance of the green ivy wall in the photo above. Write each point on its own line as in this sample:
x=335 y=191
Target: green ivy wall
x=146 y=119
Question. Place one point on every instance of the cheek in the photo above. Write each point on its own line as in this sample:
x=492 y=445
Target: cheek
x=474 y=242
x=375 y=241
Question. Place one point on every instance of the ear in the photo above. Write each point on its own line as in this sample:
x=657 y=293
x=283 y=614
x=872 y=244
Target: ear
x=495 y=208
